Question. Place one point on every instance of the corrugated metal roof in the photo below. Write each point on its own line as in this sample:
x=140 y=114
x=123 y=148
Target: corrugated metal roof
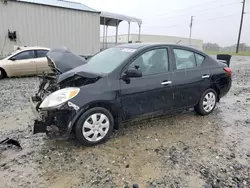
x=62 y=4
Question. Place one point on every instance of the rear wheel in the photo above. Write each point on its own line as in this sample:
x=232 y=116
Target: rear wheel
x=94 y=126
x=207 y=102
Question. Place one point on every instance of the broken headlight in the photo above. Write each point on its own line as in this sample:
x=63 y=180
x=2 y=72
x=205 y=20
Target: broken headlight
x=59 y=97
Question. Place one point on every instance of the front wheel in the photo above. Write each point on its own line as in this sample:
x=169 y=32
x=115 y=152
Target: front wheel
x=207 y=102
x=94 y=126
x=2 y=73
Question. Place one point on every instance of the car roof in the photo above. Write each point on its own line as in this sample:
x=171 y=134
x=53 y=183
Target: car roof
x=31 y=48
x=147 y=45
x=133 y=45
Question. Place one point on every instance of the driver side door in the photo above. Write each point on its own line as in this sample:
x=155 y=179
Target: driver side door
x=152 y=92
x=23 y=63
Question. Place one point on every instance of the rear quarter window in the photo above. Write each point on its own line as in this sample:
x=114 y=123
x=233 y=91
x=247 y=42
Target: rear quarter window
x=41 y=53
x=199 y=59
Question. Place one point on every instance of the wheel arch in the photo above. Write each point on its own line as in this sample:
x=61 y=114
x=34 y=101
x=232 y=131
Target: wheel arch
x=4 y=72
x=112 y=108
x=216 y=88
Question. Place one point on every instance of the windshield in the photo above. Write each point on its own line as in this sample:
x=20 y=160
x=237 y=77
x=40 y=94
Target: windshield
x=106 y=61
x=4 y=56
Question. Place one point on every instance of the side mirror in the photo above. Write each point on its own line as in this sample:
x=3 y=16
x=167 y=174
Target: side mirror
x=13 y=59
x=133 y=73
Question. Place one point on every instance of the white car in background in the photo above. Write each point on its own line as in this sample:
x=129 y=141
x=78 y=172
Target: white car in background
x=24 y=61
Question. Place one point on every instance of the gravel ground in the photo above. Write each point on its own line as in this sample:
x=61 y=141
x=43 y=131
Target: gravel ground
x=182 y=150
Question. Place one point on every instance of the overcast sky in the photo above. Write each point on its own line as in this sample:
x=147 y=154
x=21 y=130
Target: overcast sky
x=214 y=21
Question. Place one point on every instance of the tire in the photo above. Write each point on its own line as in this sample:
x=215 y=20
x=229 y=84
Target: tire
x=88 y=133
x=2 y=73
x=203 y=108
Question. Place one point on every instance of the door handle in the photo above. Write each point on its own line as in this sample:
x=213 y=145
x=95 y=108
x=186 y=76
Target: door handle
x=205 y=76
x=166 y=82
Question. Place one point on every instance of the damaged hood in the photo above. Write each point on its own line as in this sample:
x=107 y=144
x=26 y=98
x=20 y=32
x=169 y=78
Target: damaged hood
x=77 y=73
x=63 y=60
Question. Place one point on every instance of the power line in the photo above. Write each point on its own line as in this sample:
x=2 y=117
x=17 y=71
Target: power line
x=208 y=2
x=198 y=22
x=201 y=11
x=220 y=17
x=163 y=26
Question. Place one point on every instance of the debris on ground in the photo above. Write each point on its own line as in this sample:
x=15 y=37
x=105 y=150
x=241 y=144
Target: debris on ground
x=11 y=142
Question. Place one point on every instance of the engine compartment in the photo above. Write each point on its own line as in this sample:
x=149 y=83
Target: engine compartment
x=77 y=81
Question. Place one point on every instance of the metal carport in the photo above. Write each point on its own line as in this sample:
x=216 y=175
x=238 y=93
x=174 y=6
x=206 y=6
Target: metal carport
x=113 y=20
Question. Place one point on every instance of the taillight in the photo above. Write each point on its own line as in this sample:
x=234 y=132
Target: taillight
x=228 y=70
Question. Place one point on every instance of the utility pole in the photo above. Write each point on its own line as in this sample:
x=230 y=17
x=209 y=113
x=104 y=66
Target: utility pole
x=241 y=22
x=190 y=33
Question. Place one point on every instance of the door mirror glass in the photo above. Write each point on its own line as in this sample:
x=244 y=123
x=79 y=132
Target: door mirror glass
x=133 y=73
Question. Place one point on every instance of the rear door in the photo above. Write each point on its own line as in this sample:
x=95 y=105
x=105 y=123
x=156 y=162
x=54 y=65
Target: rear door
x=190 y=77
x=153 y=91
x=23 y=63
x=41 y=61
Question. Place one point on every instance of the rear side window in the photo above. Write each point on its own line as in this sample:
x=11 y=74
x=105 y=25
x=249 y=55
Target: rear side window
x=199 y=59
x=41 y=53
x=24 y=55
x=184 y=59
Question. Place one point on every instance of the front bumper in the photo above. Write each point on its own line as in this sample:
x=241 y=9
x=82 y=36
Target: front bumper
x=56 y=123
x=34 y=109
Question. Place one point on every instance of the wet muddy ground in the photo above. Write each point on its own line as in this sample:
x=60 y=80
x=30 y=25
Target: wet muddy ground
x=182 y=150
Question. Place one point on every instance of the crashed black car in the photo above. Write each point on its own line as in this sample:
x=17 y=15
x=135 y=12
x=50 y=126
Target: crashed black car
x=125 y=82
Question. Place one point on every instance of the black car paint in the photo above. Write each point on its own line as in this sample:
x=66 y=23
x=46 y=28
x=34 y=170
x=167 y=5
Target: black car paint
x=75 y=73
x=188 y=91
x=143 y=95
x=146 y=95
x=64 y=59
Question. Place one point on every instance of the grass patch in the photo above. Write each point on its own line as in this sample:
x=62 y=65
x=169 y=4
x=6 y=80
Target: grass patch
x=231 y=53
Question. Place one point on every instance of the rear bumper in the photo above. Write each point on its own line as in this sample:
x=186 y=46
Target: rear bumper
x=56 y=123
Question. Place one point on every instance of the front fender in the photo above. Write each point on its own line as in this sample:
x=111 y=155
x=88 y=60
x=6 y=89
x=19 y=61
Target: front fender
x=74 y=120
x=115 y=105
x=6 y=70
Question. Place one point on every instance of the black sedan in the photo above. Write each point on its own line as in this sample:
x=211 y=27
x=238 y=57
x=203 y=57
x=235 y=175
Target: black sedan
x=126 y=82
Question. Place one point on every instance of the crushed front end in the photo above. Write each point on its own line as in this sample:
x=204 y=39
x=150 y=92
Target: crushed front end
x=52 y=103
x=55 y=122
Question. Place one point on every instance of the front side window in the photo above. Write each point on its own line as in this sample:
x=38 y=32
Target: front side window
x=184 y=59
x=41 y=53
x=108 y=60
x=152 y=62
x=24 y=55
